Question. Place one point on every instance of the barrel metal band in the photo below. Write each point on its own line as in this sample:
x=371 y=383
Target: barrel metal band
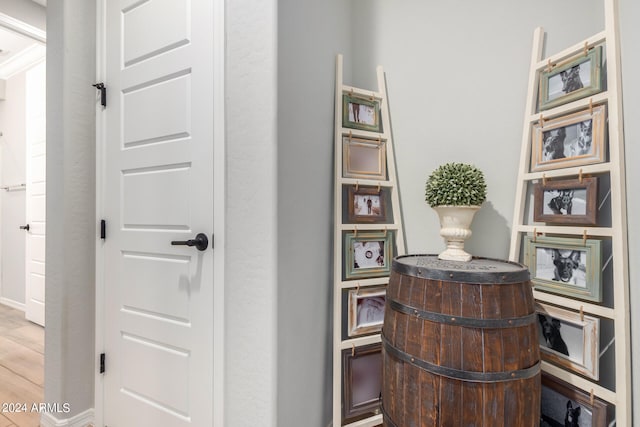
x=386 y=417
x=456 y=374
x=449 y=319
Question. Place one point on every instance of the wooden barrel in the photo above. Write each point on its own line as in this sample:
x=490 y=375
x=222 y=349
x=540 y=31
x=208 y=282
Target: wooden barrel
x=460 y=345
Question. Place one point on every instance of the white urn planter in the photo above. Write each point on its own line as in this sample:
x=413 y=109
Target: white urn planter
x=455 y=224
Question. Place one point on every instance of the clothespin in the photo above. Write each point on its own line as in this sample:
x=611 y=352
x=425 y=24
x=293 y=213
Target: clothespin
x=586 y=48
x=357 y=184
x=541 y=121
x=549 y=66
x=584 y=237
x=591 y=106
x=535 y=234
x=544 y=179
x=355 y=231
x=580 y=176
x=378 y=186
x=582 y=313
x=350 y=136
x=591 y=397
x=353 y=350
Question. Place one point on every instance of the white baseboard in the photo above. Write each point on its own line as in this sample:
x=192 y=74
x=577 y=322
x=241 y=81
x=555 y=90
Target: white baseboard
x=13 y=304
x=83 y=419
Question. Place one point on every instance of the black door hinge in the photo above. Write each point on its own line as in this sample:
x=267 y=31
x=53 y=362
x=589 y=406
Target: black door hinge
x=103 y=93
x=102 y=363
x=103 y=229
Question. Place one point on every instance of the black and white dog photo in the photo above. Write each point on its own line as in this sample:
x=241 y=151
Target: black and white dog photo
x=562 y=203
x=553 y=144
x=571 y=418
x=571 y=79
x=551 y=334
x=566 y=267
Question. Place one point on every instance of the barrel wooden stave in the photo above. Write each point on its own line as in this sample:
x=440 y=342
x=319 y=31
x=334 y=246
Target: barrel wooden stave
x=413 y=397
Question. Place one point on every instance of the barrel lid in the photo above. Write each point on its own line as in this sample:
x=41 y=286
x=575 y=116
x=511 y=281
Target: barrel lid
x=478 y=270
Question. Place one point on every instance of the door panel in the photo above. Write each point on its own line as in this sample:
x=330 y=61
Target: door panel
x=158 y=188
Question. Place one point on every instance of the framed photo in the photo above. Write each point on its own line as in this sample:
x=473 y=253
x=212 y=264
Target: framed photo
x=364 y=158
x=569 y=339
x=575 y=139
x=367 y=254
x=366 y=310
x=562 y=404
x=361 y=113
x=362 y=380
x=367 y=204
x=575 y=78
x=566 y=202
x=566 y=266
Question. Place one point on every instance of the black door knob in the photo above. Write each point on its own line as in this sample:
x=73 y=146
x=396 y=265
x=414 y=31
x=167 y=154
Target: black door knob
x=201 y=242
x=24 y=227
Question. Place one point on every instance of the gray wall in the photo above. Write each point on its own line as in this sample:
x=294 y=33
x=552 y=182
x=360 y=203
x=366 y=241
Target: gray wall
x=630 y=35
x=71 y=232
x=310 y=34
x=457 y=74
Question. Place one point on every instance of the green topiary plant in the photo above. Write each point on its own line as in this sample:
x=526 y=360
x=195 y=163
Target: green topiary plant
x=456 y=184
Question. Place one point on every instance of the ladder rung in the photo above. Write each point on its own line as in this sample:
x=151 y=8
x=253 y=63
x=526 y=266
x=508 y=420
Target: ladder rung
x=586 y=307
x=348 y=284
x=360 y=341
x=564 y=229
x=566 y=172
x=572 y=50
x=571 y=107
x=580 y=382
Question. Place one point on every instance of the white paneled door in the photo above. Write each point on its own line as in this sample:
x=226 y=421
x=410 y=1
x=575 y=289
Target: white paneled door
x=35 y=227
x=158 y=189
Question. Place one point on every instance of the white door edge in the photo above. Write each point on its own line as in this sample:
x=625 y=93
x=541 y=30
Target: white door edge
x=219 y=219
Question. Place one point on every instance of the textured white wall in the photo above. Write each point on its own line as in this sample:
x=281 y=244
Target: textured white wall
x=250 y=258
x=310 y=34
x=12 y=172
x=71 y=230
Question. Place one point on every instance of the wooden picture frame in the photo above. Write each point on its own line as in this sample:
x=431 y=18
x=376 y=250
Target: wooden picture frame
x=569 y=339
x=367 y=254
x=571 y=201
x=575 y=139
x=561 y=400
x=366 y=204
x=366 y=310
x=364 y=158
x=576 y=78
x=361 y=380
x=360 y=112
x=565 y=266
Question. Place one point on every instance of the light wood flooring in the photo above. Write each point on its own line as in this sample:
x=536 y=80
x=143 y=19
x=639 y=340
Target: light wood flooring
x=21 y=367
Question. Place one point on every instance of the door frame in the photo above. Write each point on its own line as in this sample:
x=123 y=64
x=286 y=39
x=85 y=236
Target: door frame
x=219 y=185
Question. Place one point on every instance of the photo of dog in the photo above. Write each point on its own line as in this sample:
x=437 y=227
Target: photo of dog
x=553 y=145
x=571 y=418
x=571 y=79
x=562 y=203
x=583 y=145
x=566 y=266
x=551 y=334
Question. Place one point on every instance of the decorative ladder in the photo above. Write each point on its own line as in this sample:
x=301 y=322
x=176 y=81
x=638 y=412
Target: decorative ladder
x=340 y=344
x=617 y=232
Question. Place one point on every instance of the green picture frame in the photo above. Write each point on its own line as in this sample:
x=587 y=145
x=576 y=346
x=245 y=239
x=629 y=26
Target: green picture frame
x=359 y=112
x=367 y=254
x=565 y=266
x=576 y=78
